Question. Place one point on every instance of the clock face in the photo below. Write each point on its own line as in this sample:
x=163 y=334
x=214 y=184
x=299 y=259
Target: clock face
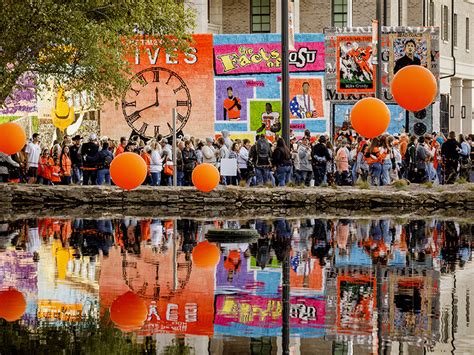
x=147 y=105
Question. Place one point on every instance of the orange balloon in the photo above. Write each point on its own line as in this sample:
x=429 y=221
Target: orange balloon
x=12 y=138
x=128 y=312
x=370 y=117
x=414 y=87
x=12 y=305
x=205 y=177
x=206 y=255
x=128 y=170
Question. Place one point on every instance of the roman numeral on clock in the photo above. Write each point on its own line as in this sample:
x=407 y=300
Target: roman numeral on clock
x=156 y=76
x=135 y=91
x=180 y=117
x=133 y=117
x=143 y=129
x=129 y=104
x=142 y=80
x=178 y=89
x=182 y=103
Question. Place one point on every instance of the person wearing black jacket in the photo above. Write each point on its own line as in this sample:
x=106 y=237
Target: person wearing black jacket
x=76 y=159
x=89 y=152
x=189 y=162
x=104 y=159
x=450 y=153
x=281 y=159
x=319 y=158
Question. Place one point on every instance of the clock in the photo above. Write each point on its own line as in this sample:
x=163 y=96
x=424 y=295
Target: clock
x=148 y=102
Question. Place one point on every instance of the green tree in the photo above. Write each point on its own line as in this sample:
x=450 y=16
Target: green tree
x=82 y=45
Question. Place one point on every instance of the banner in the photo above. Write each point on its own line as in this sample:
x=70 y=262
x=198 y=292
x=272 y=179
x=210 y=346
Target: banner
x=350 y=54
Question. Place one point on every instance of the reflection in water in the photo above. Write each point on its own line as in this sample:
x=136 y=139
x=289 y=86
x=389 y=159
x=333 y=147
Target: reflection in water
x=304 y=286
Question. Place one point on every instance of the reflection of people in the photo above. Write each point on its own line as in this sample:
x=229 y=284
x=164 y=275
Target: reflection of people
x=232 y=106
x=409 y=58
x=270 y=121
x=302 y=106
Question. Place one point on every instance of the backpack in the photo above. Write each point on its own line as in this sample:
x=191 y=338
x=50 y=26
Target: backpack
x=263 y=150
x=108 y=160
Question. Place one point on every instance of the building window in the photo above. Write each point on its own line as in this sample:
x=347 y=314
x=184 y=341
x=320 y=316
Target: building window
x=455 y=30
x=260 y=16
x=432 y=13
x=444 y=22
x=400 y=12
x=467 y=33
x=339 y=13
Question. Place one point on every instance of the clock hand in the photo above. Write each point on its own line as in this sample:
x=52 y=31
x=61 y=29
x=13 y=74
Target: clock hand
x=156 y=96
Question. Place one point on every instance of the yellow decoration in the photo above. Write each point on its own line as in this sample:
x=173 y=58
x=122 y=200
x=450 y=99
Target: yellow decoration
x=62 y=115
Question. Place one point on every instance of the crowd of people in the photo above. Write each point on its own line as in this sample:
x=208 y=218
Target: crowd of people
x=307 y=160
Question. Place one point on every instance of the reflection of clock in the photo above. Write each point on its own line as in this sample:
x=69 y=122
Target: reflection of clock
x=148 y=102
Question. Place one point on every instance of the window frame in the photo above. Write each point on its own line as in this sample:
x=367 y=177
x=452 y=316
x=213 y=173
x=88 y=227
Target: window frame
x=445 y=23
x=260 y=14
x=468 y=34
x=455 y=30
x=343 y=13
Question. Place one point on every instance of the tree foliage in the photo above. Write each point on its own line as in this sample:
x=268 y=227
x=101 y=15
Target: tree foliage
x=82 y=45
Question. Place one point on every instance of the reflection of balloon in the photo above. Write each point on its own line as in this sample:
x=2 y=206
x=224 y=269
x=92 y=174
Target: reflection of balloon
x=128 y=312
x=128 y=170
x=370 y=117
x=12 y=138
x=61 y=114
x=414 y=87
x=206 y=254
x=12 y=305
x=205 y=177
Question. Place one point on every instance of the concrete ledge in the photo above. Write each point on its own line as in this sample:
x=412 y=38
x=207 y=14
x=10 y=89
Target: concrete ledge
x=236 y=201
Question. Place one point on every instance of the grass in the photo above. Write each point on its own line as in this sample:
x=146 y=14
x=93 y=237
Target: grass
x=324 y=184
x=363 y=185
x=471 y=187
x=400 y=185
x=462 y=180
x=428 y=184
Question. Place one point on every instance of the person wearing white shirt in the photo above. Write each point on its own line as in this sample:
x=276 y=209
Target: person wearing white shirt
x=209 y=152
x=156 y=164
x=33 y=150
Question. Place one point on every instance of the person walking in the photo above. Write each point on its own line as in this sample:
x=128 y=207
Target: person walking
x=281 y=159
x=319 y=158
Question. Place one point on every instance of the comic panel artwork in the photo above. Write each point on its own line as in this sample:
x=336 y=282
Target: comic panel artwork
x=355 y=72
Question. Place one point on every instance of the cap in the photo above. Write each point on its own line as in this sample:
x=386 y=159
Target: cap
x=93 y=137
x=209 y=140
x=164 y=140
x=322 y=139
x=104 y=138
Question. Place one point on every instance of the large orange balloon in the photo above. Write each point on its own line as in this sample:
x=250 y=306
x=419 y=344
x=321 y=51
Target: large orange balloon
x=205 y=177
x=12 y=138
x=206 y=255
x=12 y=305
x=128 y=312
x=128 y=170
x=414 y=87
x=370 y=117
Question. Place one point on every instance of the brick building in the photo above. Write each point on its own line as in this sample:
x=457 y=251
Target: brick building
x=454 y=17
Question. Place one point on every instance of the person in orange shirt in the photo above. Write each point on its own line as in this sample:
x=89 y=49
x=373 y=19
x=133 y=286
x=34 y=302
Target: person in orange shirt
x=65 y=164
x=232 y=106
x=145 y=154
x=403 y=145
x=56 y=172
x=121 y=148
x=44 y=168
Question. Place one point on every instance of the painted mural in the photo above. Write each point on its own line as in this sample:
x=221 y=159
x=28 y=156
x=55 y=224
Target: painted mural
x=248 y=84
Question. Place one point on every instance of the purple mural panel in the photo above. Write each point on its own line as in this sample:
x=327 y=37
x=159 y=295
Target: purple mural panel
x=242 y=89
x=23 y=97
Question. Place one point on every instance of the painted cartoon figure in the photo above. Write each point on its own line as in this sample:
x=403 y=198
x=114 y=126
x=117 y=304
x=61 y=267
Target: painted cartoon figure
x=302 y=106
x=232 y=106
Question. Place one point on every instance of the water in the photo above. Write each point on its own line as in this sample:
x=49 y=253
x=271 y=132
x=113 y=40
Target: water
x=361 y=286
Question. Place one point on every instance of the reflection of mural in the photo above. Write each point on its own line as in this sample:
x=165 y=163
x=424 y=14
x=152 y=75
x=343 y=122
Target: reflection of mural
x=356 y=303
x=354 y=68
